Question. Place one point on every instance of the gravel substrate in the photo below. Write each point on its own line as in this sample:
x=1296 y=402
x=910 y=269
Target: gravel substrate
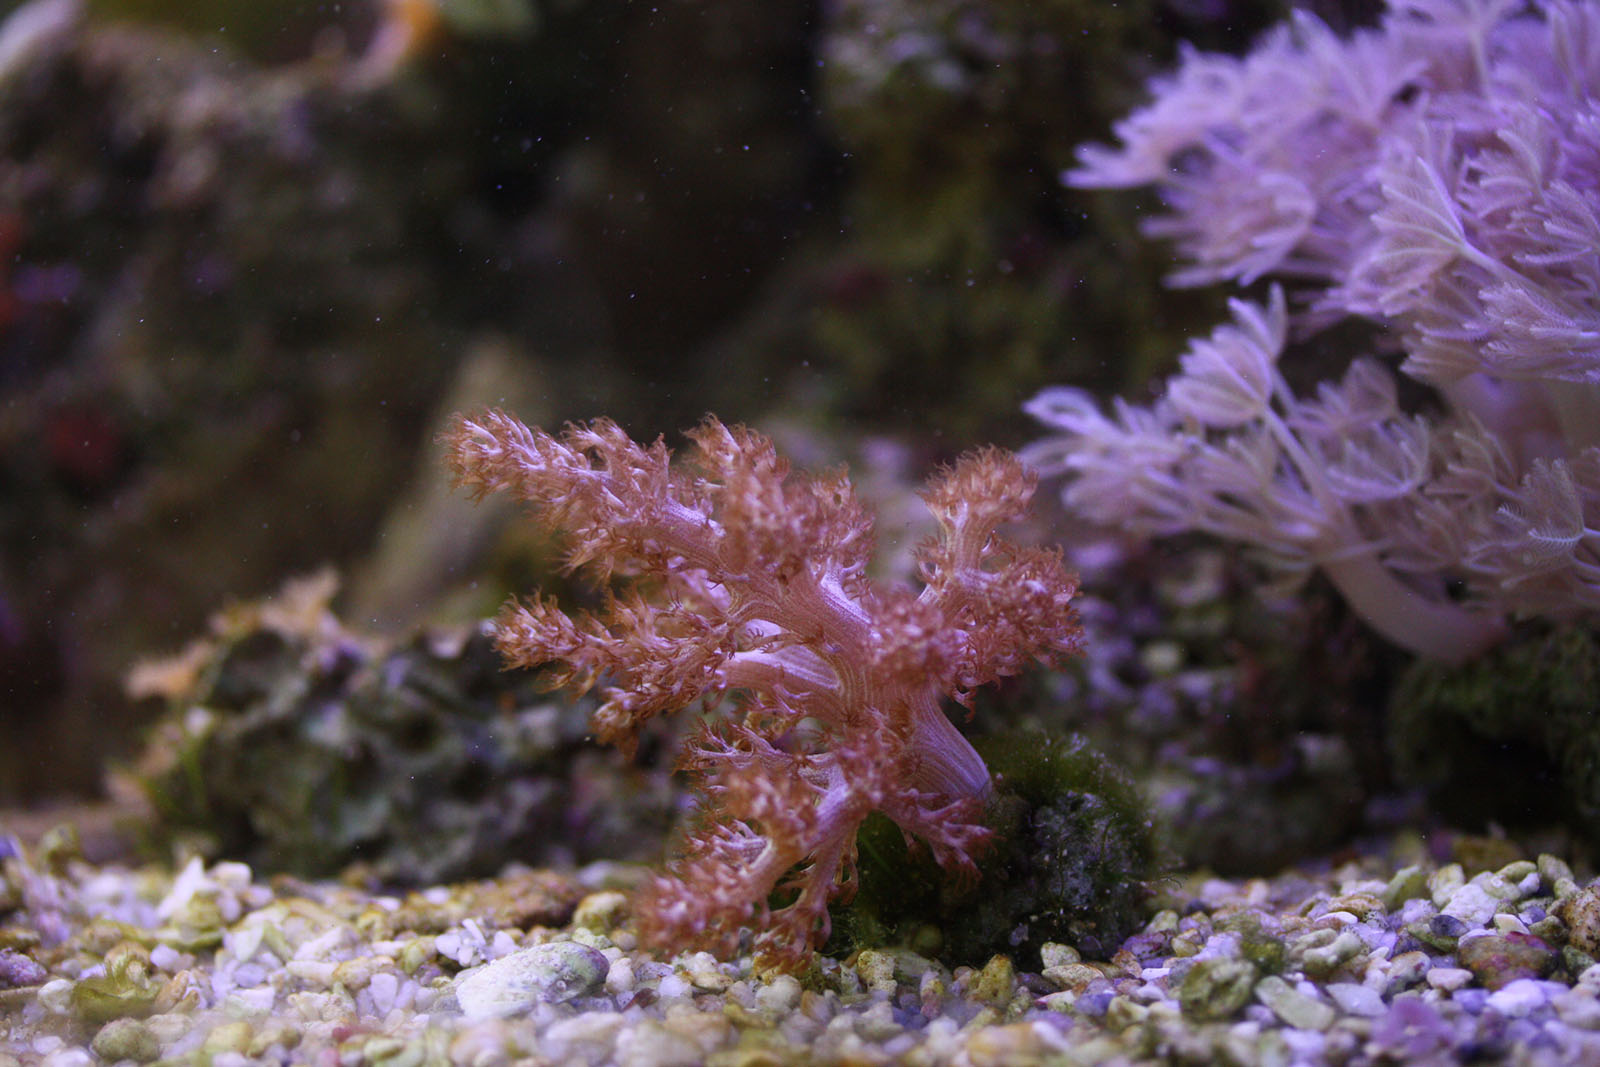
x=1369 y=961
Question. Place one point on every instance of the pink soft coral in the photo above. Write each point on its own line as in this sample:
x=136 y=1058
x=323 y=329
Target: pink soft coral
x=755 y=581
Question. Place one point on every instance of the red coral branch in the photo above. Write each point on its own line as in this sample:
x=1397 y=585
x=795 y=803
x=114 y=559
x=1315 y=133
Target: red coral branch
x=758 y=585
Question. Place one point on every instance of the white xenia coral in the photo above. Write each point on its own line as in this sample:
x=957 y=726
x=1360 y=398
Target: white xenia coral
x=1438 y=176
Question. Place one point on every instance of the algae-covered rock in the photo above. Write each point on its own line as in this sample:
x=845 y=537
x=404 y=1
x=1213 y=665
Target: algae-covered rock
x=298 y=745
x=1216 y=988
x=1252 y=723
x=1511 y=737
x=1074 y=854
x=551 y=973
x=126 y=1039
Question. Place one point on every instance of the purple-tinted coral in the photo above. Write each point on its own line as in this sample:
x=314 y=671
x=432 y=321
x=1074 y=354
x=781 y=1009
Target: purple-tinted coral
x=1439 y=177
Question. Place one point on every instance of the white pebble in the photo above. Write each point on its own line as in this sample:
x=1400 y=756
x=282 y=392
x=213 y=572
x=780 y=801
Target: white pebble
x=1356 y=999
x=166 y=958
x=1472 y=904
x=620 y=978
x=1307 y=1046
x=595 y=1030
x=550 y=973
x=1449 y=979
x=673 y=987
x=316 y=972
x=56 y=995
x=1507 y=923
x=1416 y=910
x=779 y=995
x=383 y=988
x=1519 y=998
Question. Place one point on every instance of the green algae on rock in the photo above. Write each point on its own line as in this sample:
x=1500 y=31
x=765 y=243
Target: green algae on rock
x=293 y=743
x=1075 y=854
x=1521 y=716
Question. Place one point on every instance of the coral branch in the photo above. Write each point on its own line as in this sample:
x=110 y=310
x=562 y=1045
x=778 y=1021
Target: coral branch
x=758 y=585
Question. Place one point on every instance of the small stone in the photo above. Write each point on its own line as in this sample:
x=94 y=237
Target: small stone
x=1267 y=952
x=113 y=996
x=1295 y=1008
x=1581 y=912
x=277 y=1032
x=1443 y=883
x=1520 y=998
x=1408 y=883
x=1506 y=923
x=996 y=983
x=1124 y=1012
x=1073 y=977
x=550 y=973
x=56 y=995
x=1578 y=1008
x=1052 y=954
x=932 y=988
x=1550 y=930
x=650 y=1044
x=229 y=1037
x=1552 y=869
x=601 y=912
x=1496 y=886
x=1355 y=999
x=356 y=973
x=779 y=995
x=1499 y=959
x=1440 y=933
x=126 y=1039
x=1061 y=1003
x=1164 y=921
x=1515 y=871
x=1091 y=1005
x=17 y=970
x=1215 y=988
x=705 y=975
x=1406 y=970
x=1574 y=960
x=1185 y=945
x=1473 y=904
x=876 y=970
x=1359 y=905
x=1324 y=960
x=378 y=1049
x=415 y=953
x=1003 y=1046
x=909 y=966
x=878 y=1024
x=1449 y=979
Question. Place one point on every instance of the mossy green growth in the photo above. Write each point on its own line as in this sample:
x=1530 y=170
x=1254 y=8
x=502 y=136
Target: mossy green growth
x=1074 y=854
x=1519 y=720
x=298 y=745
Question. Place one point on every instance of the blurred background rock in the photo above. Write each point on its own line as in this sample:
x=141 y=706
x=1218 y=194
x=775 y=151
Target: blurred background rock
x=250 y=253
